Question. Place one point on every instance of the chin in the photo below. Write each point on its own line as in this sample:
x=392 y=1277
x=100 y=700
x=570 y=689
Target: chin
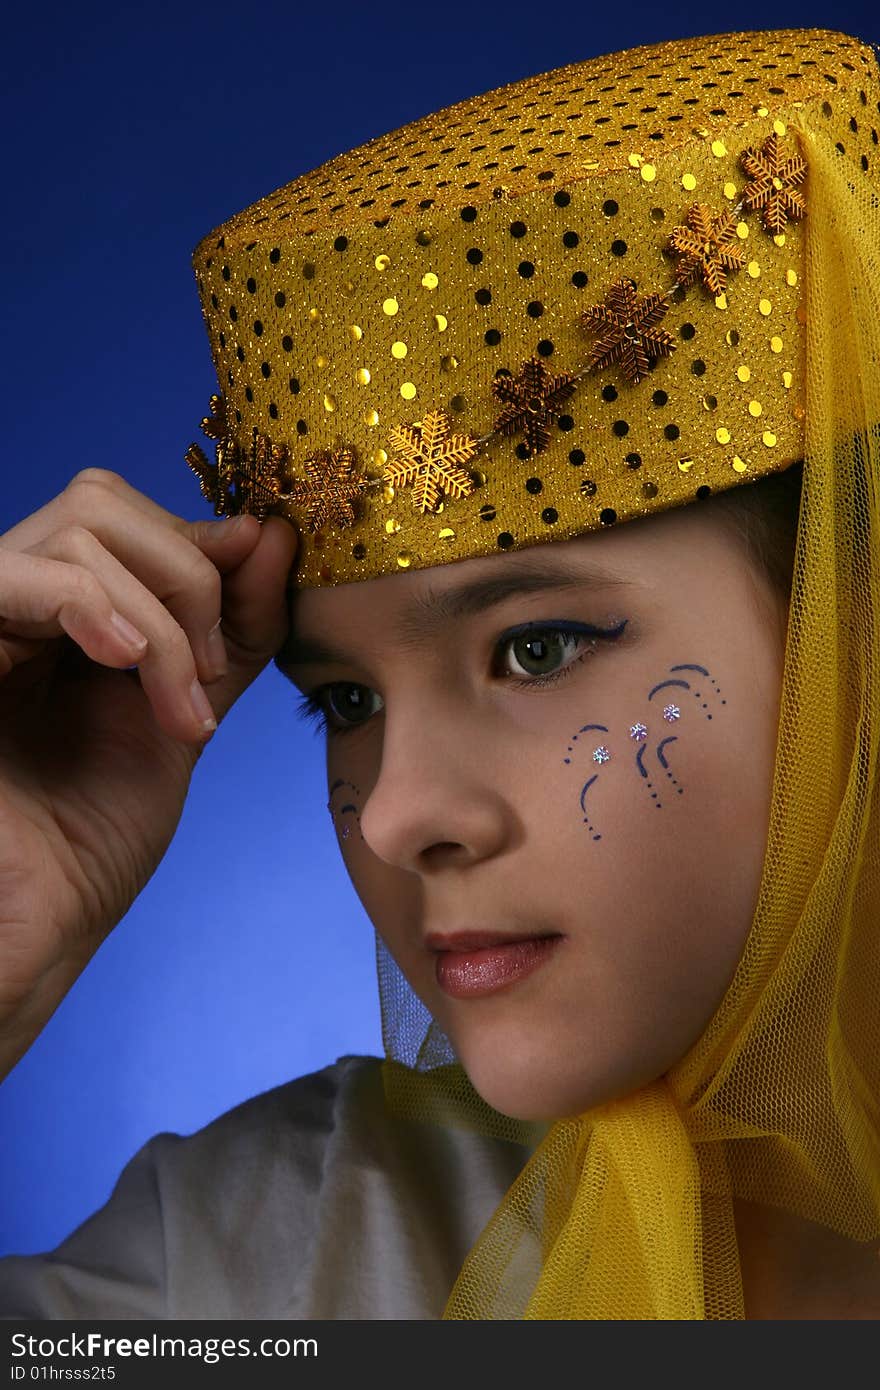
x=535 y=1093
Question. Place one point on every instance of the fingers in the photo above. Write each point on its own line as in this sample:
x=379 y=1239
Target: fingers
x=105 y=547
x=103 y=607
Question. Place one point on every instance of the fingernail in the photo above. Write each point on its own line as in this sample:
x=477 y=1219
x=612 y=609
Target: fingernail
x=215 y=650
x=127 y=631
x=202 y=707
x=228 y=527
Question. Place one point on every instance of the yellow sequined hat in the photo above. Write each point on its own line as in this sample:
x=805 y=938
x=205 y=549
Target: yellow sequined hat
x=573 y=300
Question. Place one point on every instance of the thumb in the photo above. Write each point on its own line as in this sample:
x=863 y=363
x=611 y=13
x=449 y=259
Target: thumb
x=254 y=613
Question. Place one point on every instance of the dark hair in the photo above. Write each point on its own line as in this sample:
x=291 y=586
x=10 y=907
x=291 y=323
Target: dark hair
x=764 y=514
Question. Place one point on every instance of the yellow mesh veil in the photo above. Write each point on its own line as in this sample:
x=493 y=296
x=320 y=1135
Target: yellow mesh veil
x=626 y=1211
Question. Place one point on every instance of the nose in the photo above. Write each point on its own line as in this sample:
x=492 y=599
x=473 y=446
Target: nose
x=438 y=799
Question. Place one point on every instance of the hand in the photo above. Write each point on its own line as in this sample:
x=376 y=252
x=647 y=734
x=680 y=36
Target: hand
x=99 y=737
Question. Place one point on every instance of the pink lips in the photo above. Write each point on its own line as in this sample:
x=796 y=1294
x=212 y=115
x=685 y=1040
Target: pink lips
x=482 y=969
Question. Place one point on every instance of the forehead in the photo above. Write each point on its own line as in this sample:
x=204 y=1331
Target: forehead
x=410 y=610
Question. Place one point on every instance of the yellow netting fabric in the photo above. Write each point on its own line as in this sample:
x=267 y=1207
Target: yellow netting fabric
x=625 y=1211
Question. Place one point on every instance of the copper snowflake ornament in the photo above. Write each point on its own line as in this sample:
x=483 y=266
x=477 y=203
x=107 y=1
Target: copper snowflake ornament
x=429 y=460
x=707 y=247
x=534 y=399
x=627 y=332
x=216 y=479
x=771 y=190
x=330 y=489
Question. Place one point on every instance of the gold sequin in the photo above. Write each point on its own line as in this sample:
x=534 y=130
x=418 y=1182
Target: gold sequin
x=722 y=435
x=787 y=379
x=448 y=363
x=769 y=438
x=329 y=402
x=742 y=230
x=320 y=360
x=430 y=280
x=363 y=375
x=732 y=337
x=761 y=111
x=779 y=238
x=754 y=269
x=399 y=350
x=730 y=190
x=404 y=559
x=738 y=464
x=382 y=262
x=423 y=238
x=387 y=492
x=776 y=344
x=446 y=534
x=685 y=465
x=710 y=402
x=649 y=173
x=380 y=457
x=392 y=525
x=408 y=391
x=719 y=148
x=766 y=307
x=390 y=306
x=689 y=182
x=756 y=408
x=356 y=332
x=636 y=160
x=791 y=277
x=442 y=322
x=371 y=417
x=721 y=301
x=779 y=127
x=744 y=372
x=314 y=315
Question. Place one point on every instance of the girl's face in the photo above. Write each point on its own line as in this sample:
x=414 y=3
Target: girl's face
x=491 y=768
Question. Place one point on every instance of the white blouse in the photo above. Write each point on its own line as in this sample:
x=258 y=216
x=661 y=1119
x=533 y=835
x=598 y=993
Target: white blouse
x=307 y=1201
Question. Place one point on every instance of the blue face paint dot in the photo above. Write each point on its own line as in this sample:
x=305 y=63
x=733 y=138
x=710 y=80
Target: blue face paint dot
x=708 y=716
x=680 y=790
x=597 y=837
x=724 y=702
x=566 y=760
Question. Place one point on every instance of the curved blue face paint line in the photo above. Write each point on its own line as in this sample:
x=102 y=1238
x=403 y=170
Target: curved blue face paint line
x=639 y=756
x=586 y=788
x=684 y=684
x=673 y=738
x=349 y=807
x=690 y=667
x=340 y=782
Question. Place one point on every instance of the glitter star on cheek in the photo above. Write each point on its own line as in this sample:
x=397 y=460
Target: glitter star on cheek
x=534 y=400
x=429 y=460
x=707 y=247
x=627 y=331
x=770 y=189
x=331 y=488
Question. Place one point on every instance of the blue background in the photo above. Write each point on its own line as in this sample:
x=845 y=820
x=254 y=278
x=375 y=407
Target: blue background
x=131 y=133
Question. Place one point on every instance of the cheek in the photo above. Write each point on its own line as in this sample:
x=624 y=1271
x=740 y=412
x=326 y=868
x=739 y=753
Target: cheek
x=652 y=828
x=670 y=719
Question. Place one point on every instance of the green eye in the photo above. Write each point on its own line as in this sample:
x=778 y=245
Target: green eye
x=540 y=653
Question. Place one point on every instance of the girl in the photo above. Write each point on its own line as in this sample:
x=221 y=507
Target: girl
x=608 y=340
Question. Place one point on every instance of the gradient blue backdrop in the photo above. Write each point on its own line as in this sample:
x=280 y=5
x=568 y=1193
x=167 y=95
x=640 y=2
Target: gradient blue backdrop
x=129 y=135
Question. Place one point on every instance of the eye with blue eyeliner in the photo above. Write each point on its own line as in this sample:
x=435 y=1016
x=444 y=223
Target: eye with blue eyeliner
x=317 y=705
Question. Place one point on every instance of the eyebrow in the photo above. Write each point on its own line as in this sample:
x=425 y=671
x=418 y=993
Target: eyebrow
x=427 y=613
